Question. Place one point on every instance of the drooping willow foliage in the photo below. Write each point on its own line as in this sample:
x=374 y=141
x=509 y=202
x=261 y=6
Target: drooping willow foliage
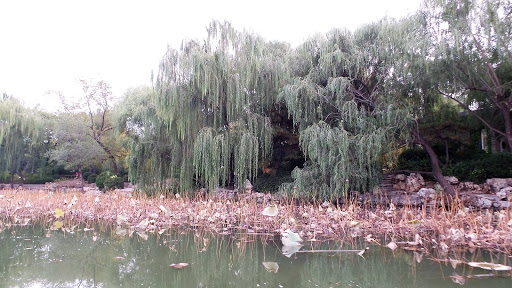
x=20 y=130
x=207 y=116
x=136 y=117
x=210 y=103
x=346 y=118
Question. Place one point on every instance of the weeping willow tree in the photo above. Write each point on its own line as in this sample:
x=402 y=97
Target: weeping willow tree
x=345 y=117
x=20 y=131
x=150 y=148
x=471 y=45
x=211 y=100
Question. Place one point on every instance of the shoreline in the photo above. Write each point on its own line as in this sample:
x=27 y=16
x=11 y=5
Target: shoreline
x=408 y=227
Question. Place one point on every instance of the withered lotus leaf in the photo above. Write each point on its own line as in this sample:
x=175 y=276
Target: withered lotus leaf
x=179 y=266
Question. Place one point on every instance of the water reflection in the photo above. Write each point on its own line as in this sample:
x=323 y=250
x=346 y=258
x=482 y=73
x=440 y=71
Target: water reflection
x=35 y=257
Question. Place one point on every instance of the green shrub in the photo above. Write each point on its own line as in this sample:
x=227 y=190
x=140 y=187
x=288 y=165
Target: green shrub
x=114 y=182
x=482 y=167
x=37 y=179
x=86 y=175
x=416 y=159
x=91 y=178
x=5 y=177
x=477 y=168
x=268 y=182
x=498 y=165
x=100 y=179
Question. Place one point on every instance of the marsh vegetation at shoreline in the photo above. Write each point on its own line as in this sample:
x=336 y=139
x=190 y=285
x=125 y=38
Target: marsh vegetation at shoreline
x=410 y=228
x=104 y=252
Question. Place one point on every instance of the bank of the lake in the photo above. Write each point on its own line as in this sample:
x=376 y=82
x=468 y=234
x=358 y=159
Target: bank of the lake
x=412 y=228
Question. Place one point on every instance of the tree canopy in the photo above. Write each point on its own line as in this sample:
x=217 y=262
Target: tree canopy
x=345 y=117
x=20 y=130
x=212 y=98
x=352 y=96
x=471 y=48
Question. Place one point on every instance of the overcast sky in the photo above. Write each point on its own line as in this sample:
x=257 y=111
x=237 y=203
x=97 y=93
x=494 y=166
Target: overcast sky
x=49 y=45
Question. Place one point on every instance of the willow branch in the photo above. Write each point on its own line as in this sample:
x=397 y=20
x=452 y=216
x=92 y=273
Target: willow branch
x=473 y=113
x=490 y=69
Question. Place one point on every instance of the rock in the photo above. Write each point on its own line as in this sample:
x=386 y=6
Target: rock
x=497 y=184
x=260 y=197
x=484 y=203
x=400 y=185
x=505 y=205
x=469 y=187
x=248 y=186
x=427 y=193
x=400 y=177
x=504 y=193
x=221 y=193
x=50 y=186
x=92 y=190
x=414 y=182
x=401 y=200
x=452 y=180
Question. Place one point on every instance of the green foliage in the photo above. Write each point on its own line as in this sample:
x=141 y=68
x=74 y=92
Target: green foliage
x=416 y=159
x=5 y=177
x=91 y=178
x=113 y=182
x=84 y=134
x=149 y=160
x=86 y=174
x=22 y=132
x=346 y=119
x=100 y=180
x=482 y=167
x=477 y=168
x=470 y=52
x=353 y=96
x=271 y=183
x=37 y=179
x=73 y=144
x=206 y=118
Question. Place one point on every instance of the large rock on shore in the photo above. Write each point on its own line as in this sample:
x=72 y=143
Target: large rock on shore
x=496 y=193
x=411 y=183
x=427 y=193
x=497 y=184
x=470 y=187
x=414 y=182
x=452 y=180
x=505 y=194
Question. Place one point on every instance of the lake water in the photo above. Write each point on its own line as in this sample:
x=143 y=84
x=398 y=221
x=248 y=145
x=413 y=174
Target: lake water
x=35 y=257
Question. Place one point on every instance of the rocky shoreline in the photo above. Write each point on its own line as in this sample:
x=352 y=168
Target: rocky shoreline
x=412 y=189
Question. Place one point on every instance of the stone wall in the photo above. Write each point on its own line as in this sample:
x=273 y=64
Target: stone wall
x=494 y=193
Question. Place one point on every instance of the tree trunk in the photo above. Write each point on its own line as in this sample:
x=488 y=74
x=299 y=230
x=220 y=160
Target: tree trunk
x=494 y=142
x=110 y=155
x=21 y=175
x=12 y=174
x=12 y=180
x=81 y=177
x=447 y=160
x=505 y=111
x=436 y=168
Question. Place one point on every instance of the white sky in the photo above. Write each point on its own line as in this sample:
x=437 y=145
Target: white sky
x=49 y=45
